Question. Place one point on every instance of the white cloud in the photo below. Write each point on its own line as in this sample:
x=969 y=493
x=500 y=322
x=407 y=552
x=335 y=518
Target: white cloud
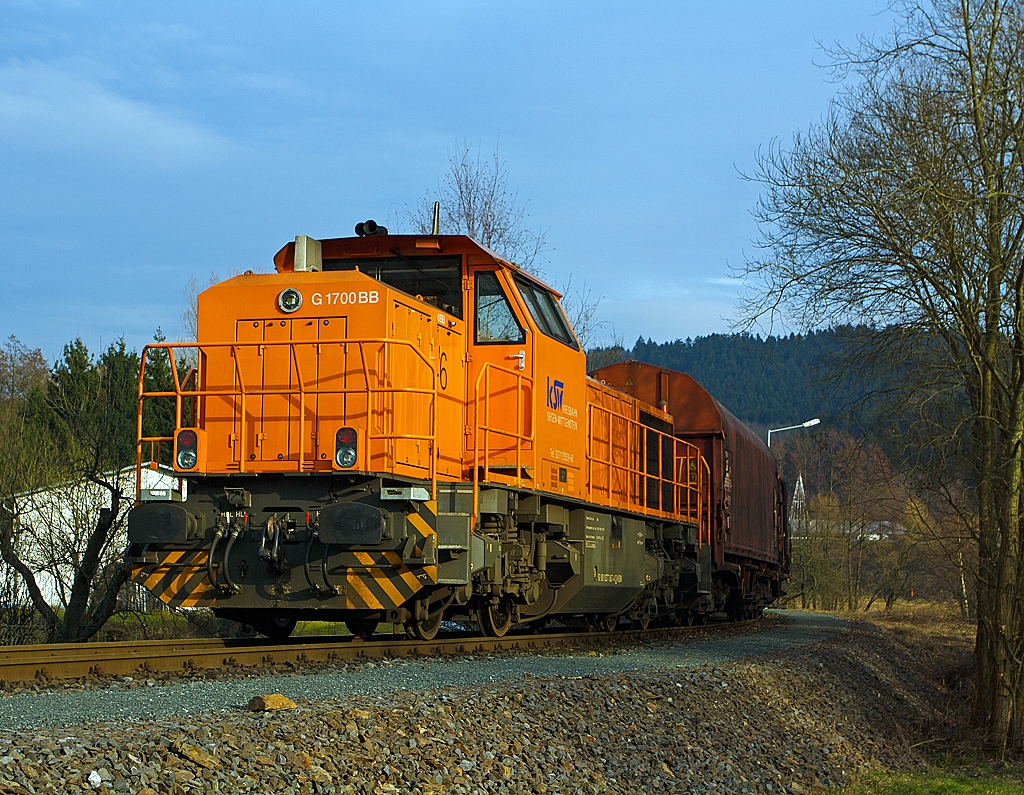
x=50 y=109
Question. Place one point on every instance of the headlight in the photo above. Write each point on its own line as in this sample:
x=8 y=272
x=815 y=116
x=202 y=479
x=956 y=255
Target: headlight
x=345 y=442
x=289 y=300
x=187 y=444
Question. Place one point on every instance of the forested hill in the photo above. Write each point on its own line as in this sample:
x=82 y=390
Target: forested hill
x=769 y=382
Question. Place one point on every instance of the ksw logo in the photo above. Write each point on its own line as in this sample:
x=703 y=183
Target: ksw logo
x=556 y=391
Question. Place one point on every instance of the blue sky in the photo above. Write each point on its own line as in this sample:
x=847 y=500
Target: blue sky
x=143 y=143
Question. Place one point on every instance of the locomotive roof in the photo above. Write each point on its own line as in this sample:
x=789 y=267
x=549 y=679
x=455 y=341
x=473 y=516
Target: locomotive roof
x=408 y=246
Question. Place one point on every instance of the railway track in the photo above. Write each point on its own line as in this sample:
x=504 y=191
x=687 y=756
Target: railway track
x=65 y=661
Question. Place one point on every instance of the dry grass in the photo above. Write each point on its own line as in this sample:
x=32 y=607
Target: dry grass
x=941 y=643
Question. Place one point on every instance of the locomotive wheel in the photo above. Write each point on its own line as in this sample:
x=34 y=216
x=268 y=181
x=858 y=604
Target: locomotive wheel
x=687 y=618
x=276 y=628
x=426 y=629
x=604 y=622
x=495 y=620
x=363 y=627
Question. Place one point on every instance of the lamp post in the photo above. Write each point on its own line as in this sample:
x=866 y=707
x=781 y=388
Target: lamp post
x=808 y=424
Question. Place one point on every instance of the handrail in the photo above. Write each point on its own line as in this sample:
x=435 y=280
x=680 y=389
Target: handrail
x=240 y=392
x=706 y=493
x=689 y=496
x=518 y=436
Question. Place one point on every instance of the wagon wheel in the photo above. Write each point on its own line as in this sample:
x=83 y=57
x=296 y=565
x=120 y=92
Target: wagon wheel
x=495 y=620
x=642 y=621
x=362 y=627
x=686 y=618
x=426 y=629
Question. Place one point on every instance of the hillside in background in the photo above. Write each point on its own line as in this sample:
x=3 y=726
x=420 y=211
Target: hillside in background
x=770 y=382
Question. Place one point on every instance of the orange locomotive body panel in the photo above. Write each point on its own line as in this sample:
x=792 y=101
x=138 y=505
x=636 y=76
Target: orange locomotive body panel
x=277 y=387
x=503 y=399
x=401 y=427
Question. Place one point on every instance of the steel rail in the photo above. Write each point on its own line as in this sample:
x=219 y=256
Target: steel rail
x=63 y=661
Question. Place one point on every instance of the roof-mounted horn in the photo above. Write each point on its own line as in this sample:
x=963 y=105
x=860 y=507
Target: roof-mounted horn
x=370 y=229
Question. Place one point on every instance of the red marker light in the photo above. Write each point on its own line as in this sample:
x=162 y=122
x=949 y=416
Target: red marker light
x=345 y=454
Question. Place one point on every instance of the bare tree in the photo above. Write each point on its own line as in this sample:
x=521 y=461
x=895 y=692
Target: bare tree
x=580 y=306
x=476 y=200
x=903 y=209
x=23 y=373
x=63 y=499
x=848 y=523
x=190 y=306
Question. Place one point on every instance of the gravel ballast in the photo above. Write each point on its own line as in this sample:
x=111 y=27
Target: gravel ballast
x=172 y=699
x=681 y=718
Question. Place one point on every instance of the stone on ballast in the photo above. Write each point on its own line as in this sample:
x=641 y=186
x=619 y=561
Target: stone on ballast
x=195 y=754
x=273 y=702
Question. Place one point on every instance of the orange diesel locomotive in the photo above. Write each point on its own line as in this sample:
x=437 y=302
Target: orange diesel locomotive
x=401 y=429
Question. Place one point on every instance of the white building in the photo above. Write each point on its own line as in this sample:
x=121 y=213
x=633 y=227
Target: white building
x=53 y=526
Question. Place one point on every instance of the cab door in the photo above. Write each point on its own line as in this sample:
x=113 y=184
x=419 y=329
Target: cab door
x=500 y=385
x=450 y=361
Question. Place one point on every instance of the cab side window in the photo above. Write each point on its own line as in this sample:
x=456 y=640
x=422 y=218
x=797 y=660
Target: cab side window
x=495 y=321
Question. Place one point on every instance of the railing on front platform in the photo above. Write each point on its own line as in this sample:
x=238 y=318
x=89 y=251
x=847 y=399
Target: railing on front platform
x=381 y=422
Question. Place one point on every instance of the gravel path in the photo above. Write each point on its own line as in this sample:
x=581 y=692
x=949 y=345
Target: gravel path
x=52 y=709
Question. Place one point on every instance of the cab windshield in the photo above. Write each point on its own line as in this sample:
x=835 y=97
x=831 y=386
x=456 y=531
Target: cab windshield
x=547 y=312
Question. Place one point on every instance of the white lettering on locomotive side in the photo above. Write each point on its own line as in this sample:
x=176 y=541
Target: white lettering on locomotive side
x=361 y=297
x=564 y=422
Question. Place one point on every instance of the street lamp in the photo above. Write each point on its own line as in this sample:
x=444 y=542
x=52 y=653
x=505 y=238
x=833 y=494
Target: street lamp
x=807 y=424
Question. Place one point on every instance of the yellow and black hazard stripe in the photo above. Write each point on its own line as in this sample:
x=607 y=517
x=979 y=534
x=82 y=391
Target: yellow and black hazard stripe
x=371 y=580
x=179 y=579
x=375 y=580
x=423 y=521
x=379 y=580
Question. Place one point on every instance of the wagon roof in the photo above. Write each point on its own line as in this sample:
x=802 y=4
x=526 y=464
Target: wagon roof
x=694 y=410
